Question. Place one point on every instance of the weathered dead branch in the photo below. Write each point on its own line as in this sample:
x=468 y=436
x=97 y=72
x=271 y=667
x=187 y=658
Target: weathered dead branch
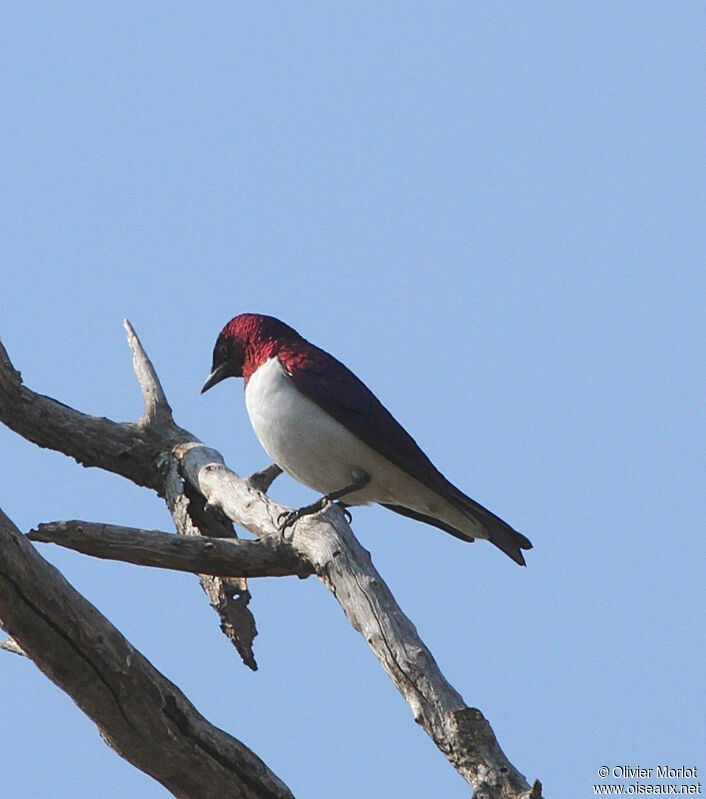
x=268 y=556
x=204 y=495
x=140 y=713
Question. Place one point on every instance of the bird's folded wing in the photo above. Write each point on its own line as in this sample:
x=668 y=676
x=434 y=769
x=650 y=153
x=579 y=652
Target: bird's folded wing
x=333 y=387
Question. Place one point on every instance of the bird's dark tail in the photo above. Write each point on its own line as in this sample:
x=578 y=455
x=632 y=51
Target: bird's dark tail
x=497 y=531
x=510 y=541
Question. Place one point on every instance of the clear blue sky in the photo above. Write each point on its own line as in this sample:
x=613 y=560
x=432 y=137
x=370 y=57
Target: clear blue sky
x=494 y=214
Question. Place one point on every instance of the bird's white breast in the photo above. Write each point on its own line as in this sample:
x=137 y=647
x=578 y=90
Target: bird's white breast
x=298 y=435
x=320 y=452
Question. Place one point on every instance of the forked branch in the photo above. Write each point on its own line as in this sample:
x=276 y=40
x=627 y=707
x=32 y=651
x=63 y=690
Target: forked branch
x=202 y=492
x=139 y=451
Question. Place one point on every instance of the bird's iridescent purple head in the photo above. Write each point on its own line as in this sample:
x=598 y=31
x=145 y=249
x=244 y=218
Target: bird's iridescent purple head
x=247 y=341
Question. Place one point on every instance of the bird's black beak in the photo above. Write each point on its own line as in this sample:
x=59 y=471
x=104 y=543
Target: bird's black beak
x=219 y=373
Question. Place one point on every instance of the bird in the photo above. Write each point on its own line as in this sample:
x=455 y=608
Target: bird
x=323 y=426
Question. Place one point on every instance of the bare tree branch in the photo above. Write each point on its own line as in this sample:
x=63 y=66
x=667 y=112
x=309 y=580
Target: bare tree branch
x=230 y=596
x=326 y=542
x=125 y=449
x=141 y=714
x=268 y=556
x=261 y=481
x=140 y=452
x=157 y=408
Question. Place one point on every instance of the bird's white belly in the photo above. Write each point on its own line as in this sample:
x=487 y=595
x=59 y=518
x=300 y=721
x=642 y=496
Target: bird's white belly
x=317 y=450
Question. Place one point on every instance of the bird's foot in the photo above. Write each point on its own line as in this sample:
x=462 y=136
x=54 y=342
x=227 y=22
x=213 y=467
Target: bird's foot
x=290 y=517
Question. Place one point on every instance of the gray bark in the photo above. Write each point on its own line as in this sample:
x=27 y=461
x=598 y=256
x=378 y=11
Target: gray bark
x=205 y=496
x=139 y=451
x=140 y=713
x=269 y=556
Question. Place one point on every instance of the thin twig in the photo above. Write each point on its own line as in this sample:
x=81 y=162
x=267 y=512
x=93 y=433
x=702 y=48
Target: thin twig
x=157 y=409
x=262 y=480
